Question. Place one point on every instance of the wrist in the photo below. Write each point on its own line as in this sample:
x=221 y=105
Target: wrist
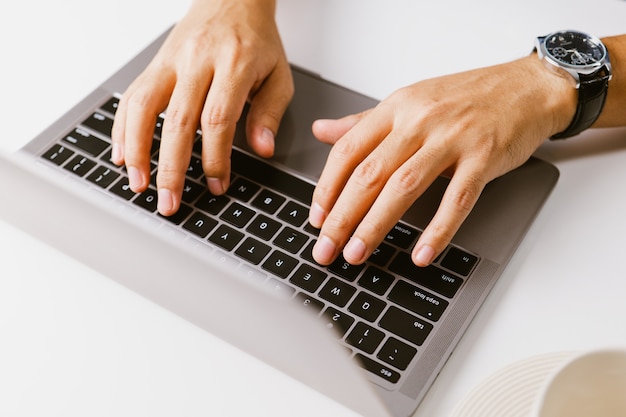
x=556 y=92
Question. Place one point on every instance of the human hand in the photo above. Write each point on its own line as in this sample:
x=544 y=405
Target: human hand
x=220 y=55
x=473 y=127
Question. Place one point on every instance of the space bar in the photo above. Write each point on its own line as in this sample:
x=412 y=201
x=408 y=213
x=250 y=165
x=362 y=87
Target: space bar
x=271 y=177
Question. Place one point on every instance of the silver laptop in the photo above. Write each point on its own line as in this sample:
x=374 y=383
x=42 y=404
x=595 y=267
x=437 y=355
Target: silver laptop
x=240 y=265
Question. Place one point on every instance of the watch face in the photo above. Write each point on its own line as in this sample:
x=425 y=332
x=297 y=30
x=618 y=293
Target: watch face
x=574 y=48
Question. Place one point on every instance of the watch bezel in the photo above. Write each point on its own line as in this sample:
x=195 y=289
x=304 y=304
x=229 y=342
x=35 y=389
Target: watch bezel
x=571 y=69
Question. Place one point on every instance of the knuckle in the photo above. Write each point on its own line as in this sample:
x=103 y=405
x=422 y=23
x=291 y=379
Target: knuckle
x=179 y=121
x=370 y=174
x=462 y=199
x=216 y=118
x=406 y=182
x=343 y=150
x=339 y=222
x=213 y=166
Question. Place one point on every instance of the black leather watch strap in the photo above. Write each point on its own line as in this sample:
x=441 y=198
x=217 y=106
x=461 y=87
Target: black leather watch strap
x=591 y=98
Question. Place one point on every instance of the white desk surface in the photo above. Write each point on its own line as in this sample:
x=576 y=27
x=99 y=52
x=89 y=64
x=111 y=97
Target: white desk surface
x=74 y=343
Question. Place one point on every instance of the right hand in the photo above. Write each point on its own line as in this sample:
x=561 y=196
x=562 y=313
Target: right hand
x=220 y=55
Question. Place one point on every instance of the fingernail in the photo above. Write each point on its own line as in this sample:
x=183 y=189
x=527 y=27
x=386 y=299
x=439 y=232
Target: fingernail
x=116 y=153
x=424 y=255
x=166 y=201
x=317 y=215
x=267 y=136
x=354 y=252
x=324 y=250
x=135 y=179
x=215 y=186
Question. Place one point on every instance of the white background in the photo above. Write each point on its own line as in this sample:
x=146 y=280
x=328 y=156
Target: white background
x=75 y=343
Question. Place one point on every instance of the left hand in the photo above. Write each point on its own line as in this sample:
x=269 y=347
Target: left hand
x=473 y=127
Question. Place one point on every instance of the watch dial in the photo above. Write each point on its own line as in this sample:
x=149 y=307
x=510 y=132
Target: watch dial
x=574 y=48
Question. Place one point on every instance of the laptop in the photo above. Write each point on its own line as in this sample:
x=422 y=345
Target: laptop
x=372 y=337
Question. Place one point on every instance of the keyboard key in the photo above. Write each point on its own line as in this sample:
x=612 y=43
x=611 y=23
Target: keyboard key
x=309 y=302
x=430 y=277
x=337 y=292
x=376 y=280
x=365 y=337
x=402 y=236
x=200 y=224
x=242 y=189
x=418 y=301
x=252 y=250
x=80 y=165
x=291 y=240
x=191 y=191
x=273 y=178
x=264 y=227
x=345 y=270
x=212 y=204
x=459 y=261
x=58 y=154
x=379 y=369
x=406 y=325
x=307 y=253
x=294 y=214
x=86 y=142
x=397 y=353
x=111 y=105
x=237 y=215
x=308 y=278
x=268 y=201
x=280 y=264
x=367 y=306
x=226 y=237
x=147 y=200
x=337 y=321
x=103 y=176
x=308 y=227
x=122 y=189
x=382 y=254
x=195 y=170
x=181 y=214
x=100 y=123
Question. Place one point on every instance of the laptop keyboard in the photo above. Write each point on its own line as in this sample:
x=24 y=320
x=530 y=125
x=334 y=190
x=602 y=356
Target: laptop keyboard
x=384 y=310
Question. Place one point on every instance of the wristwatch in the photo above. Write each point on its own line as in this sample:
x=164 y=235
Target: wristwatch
x=583 y=59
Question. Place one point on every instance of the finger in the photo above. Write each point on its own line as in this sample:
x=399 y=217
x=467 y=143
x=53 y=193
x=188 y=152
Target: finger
x=179 y=130
x=344 y=157
x=331 y=130
x=223 y=107
x=460 y=197
x=360 y=193
x=401 y=190
x=133 y=127
x=267 y=108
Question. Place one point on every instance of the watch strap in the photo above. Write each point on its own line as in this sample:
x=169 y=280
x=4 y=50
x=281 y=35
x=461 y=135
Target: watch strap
x=591 y=97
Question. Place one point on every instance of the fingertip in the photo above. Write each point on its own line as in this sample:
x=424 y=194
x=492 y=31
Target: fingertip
x=325 y=250
x=117 y=154
x=317 y=215
x=423 y=255
x=262 y=142
x=216 y=186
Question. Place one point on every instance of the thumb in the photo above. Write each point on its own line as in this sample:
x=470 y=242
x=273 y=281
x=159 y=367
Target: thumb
x=331 y=130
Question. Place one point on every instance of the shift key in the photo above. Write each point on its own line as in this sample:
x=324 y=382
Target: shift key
x=430 y=277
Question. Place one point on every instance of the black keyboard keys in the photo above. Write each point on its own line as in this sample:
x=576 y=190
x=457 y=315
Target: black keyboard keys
x=58 y=154
x=86 y=142
x=405 y=325
x=103 y=176
x=80 y=165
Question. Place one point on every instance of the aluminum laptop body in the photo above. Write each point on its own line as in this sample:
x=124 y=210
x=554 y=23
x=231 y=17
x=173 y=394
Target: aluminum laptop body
x=194 y=278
